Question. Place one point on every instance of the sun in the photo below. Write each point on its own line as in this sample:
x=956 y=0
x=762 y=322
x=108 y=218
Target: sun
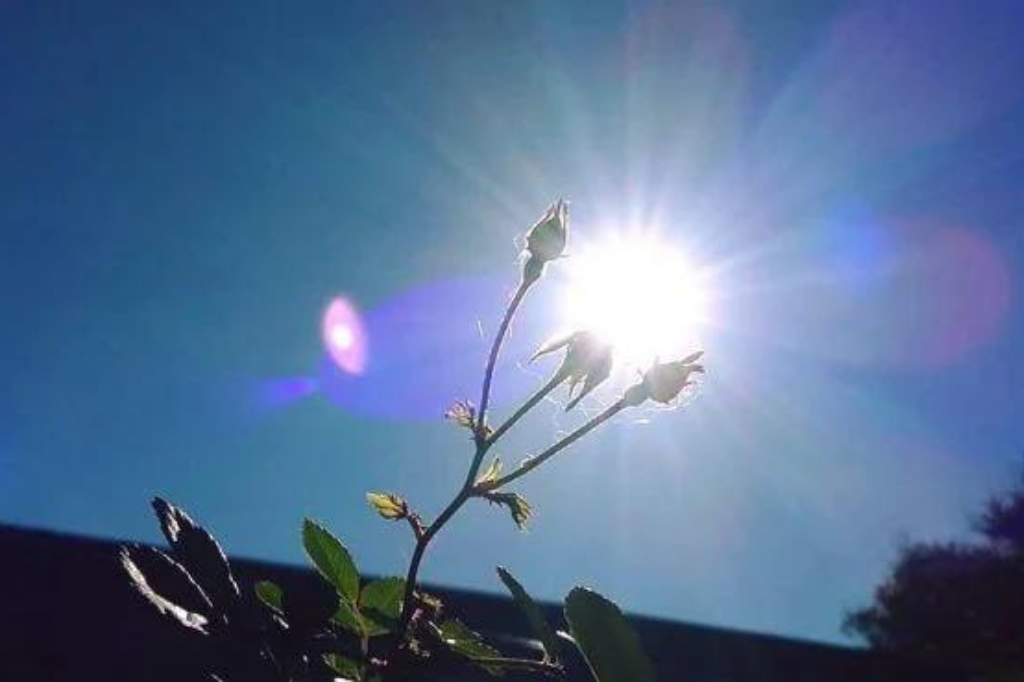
x=640 y=293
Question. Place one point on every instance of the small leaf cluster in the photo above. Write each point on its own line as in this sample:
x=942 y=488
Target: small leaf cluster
x=345 y=627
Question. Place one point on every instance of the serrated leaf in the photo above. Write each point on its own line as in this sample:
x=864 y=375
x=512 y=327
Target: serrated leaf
x=538 y=623
x=332 y=559
x=491 y=473
x=171 y=579
x=345 y=667
x=388 y=505
x=271 y=594
x=469 y=644
x=348 y=618
x=374 y=625
x=381 y=605
x=193 y=621
x=197 y=550
x=606 y=639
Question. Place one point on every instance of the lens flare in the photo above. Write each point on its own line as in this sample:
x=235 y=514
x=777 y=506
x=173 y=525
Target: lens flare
x=643 y=295
x=344 y=336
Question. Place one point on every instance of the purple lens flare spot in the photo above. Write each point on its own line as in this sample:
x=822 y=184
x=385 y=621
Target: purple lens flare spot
x=344 y=336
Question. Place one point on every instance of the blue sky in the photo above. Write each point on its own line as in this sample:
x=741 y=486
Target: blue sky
x=183 y=190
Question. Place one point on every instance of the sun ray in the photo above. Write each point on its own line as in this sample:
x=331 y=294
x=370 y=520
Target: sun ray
x=642 y=294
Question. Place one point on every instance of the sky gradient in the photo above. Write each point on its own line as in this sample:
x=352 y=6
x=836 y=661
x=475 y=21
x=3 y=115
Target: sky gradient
x=184 y=190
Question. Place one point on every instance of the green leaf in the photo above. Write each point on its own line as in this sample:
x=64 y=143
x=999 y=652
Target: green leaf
x=270 y=594
x=345 y=667
x=332 y=559
x=375 y=626
x=538 y=623
x=468 y=643
x=348 y=618
x=381 y=605
x=606 y=638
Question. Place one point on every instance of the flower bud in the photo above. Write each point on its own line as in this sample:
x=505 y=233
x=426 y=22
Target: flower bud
x=588 y=359
x=664 y=381
x=546 y=240
x=388 y=505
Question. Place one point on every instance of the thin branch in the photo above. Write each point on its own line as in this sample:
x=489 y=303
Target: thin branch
x=542 y=393
x=482 y=443
x=417 y=558
x=468 y=491
x=499 y=339
x=532 y=463
x=417 y=525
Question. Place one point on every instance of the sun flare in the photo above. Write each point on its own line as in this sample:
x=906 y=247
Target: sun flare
x=643 y=295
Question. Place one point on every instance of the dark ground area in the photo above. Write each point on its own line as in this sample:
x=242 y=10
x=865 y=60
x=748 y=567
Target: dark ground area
x=69 y=614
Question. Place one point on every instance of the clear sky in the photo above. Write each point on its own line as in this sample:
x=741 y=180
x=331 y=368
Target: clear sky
x=184 y=189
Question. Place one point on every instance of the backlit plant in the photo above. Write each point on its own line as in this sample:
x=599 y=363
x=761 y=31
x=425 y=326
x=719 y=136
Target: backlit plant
x=390 y=629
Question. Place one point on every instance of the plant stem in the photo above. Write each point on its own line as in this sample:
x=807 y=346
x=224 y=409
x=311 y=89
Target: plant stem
x=417 y=558
x=482 y=443
x=533 y=462
x=499 y=339
x=551 y=385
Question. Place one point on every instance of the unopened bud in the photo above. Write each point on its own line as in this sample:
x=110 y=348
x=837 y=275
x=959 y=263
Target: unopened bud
x=546 y=240
x=588 y=359
x=664 y=381
x=388 y=505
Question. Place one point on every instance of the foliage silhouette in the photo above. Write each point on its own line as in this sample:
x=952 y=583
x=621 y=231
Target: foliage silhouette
x=957 y=603
x=388 y=630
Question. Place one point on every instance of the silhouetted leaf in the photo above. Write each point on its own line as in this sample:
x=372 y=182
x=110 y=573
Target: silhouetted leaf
x=345 y=667
x=381 y=604
x=196 y=550
x=469 y=644
x=270 y=594
x=541 y=629
x=171 y=579
x=332 y=559
x=193 y=621
x=606 y=638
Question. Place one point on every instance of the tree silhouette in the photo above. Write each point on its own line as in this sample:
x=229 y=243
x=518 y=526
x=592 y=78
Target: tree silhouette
x=960 y=603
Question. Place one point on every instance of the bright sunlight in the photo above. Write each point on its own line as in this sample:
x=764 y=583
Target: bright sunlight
x=641 y=294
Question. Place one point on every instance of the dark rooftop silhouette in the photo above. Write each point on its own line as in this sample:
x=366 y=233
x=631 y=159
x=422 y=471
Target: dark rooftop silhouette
x=69 y=614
